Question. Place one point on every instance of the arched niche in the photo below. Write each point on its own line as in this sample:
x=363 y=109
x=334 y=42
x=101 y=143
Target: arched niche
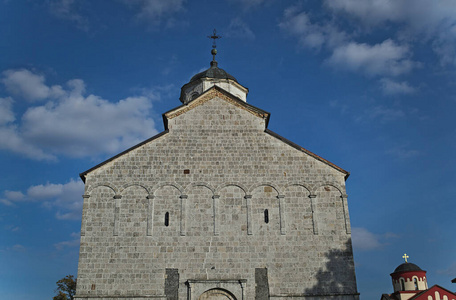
x=201 y=209
x=298 y=209
x=133 y=209
x=330 y=210
x=265 y=210
x=167 y=199
x=232 y=211
x=99 y=211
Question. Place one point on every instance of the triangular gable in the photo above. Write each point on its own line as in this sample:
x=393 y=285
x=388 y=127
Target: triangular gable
x=216 y=91
x=211 y=93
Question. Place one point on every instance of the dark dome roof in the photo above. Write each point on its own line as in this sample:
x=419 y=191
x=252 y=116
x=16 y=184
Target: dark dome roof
x=407 y=267
x=213 y=72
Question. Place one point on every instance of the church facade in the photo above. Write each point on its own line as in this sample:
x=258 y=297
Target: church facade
x=216 y=206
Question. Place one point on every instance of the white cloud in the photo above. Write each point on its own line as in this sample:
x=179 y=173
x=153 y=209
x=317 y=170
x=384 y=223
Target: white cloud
x=70 y=123
x=155 y=11
x=11 y=138
x=297 y=23
x=418 y=14
x=403 y=151
x=66 y=198
x=248 y=4
x=15 y=196
x=68 y=10
x=364 y=240
x=386 y=58
x=381 y=114
x=420 y=20
x=6 y=113
x=369 y=11
x=450 y=271
x=30 y=86
x=18 y=248
x=240 y=29
x=69 y=244
x=390 y=87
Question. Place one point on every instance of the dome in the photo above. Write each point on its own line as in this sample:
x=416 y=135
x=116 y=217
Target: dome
x=213 y=72
x=407 y=267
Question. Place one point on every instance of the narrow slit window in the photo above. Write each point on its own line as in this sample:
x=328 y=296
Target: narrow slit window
x=266 y=216
x=415 y=281
x=167 y=219
x=402 y=284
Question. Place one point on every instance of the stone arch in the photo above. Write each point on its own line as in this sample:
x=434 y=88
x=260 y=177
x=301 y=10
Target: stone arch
x=203 y=184
x=333 y=184
x=307 y=187
x=217 y=294
x=164 y=184
x=265 y=184
x=105 y=184
x=131 y=184
x=239 y=185
x=193 y=96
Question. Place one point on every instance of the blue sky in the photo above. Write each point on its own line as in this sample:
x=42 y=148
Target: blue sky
x=367 y=84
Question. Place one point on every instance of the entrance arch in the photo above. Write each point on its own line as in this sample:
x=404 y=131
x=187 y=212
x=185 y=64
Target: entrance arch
x=217 y=294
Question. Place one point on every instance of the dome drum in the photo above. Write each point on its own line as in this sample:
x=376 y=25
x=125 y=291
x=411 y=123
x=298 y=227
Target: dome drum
x=203 y=81
x=409 y=277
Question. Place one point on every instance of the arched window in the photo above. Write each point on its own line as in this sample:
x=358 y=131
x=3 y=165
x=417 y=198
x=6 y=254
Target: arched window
x=167 y=219
x=402 y=284
x=415 y=281
x=194 y=95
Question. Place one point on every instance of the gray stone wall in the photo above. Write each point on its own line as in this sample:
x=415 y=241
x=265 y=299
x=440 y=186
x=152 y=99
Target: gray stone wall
x=214 y=174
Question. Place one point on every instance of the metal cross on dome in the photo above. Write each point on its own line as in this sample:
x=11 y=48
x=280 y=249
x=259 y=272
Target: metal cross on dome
x=405 y=256
x=215 y=37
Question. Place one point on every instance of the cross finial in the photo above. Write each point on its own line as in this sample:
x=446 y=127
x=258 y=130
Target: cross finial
x=405 y=256
x=215 y=37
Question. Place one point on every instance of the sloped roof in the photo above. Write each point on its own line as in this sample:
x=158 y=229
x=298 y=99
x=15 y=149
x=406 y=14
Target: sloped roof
x=213 y=72
x=407 y=267
x=216 y=91
x=432 y=289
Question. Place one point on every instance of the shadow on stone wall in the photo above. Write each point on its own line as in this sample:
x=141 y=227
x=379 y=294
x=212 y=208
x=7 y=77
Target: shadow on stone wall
x=338 y=274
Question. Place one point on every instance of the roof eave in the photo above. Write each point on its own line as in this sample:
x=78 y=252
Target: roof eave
x=302 y=149
x=83 y=175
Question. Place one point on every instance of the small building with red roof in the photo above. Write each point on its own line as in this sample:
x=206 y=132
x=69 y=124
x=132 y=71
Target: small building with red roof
x=410 y=283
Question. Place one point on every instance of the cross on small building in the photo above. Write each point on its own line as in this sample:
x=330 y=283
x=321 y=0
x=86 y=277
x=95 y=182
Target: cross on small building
x=405 y=256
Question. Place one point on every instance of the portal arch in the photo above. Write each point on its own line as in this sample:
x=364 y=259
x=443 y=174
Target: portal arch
x=217 y=294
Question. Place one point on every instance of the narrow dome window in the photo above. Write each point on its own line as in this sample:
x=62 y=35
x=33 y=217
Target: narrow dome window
x=402 y=284
x=415 y=281
x=194 y=95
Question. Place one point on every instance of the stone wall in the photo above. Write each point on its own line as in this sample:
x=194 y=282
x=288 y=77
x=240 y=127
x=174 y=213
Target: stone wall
x=195 y=200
